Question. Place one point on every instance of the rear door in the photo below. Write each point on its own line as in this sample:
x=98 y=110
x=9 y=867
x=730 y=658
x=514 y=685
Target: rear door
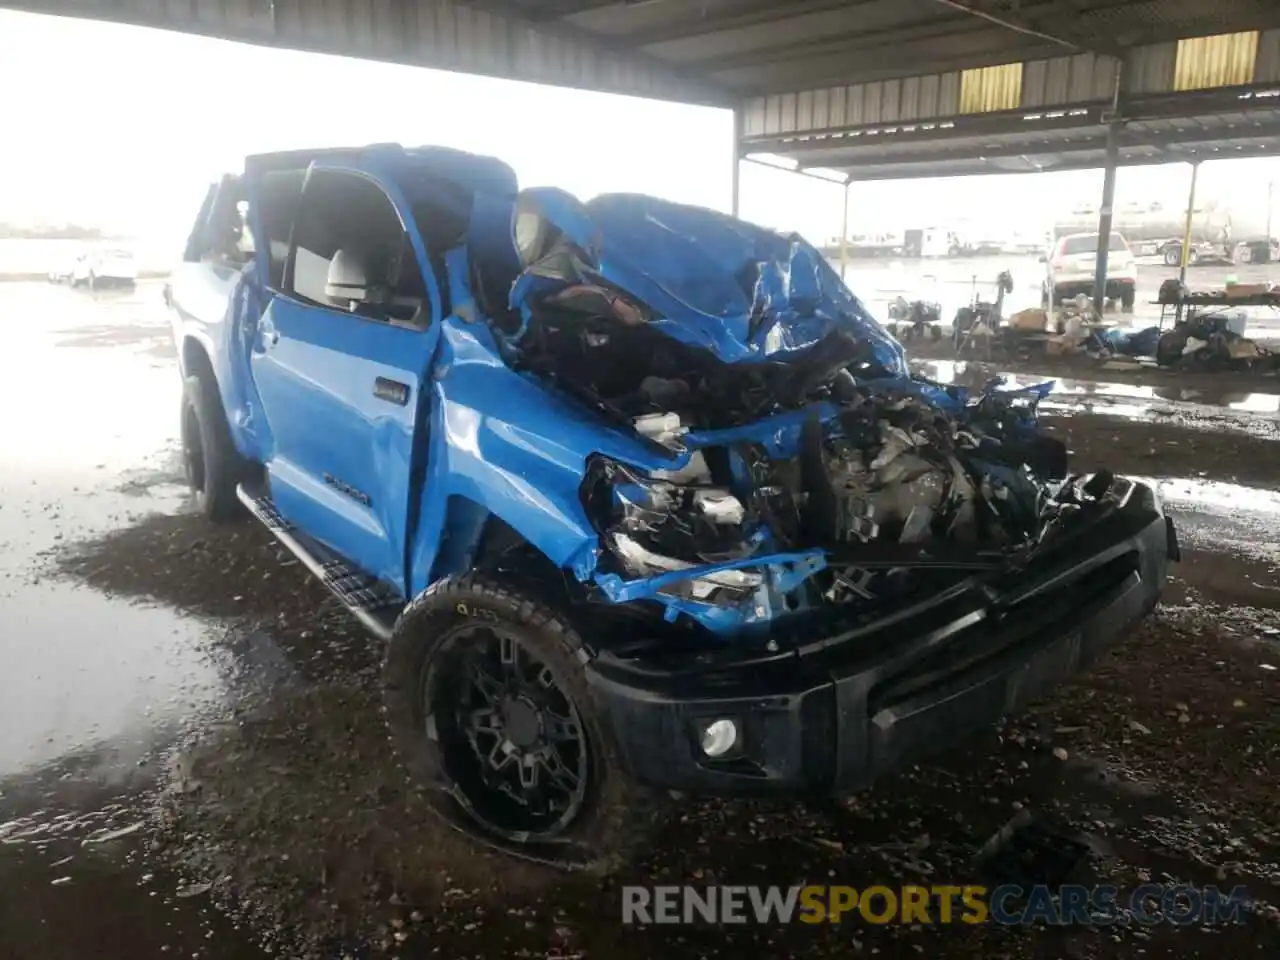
x=340 y=367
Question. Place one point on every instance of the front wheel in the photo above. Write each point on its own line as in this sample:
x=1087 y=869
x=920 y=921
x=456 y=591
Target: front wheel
x=488 y=705
x=210 y=460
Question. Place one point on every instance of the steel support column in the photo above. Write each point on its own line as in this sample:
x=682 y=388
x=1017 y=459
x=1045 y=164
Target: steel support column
x=1186 y=226
x=844 y=231
x=1114 y=125
x=1271 y=186
x=737 y=160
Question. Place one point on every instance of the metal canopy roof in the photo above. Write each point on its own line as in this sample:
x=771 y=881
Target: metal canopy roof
x=873 y=87
x=699 y=51
x=1223 y=125
x=758 y=47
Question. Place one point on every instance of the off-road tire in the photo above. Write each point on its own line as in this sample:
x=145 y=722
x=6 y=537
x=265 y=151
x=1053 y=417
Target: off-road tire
x=618 y=815
x=213 y=477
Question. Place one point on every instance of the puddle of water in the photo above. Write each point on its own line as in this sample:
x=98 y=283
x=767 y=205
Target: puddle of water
x=1256 y=403
x=1256 y=414
x=82 y=668
x=961 y=371
x=1235 y=528
x=1212 y=495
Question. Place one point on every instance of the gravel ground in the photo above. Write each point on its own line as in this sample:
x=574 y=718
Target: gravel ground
x=247 y=805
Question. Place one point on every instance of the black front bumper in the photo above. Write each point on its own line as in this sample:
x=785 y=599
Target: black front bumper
x=837 y=712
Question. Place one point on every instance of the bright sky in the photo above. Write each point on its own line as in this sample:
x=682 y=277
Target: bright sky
x=123 y=127
x=128 y=125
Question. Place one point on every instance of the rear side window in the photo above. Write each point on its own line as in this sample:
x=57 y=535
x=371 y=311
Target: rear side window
x=351 y=253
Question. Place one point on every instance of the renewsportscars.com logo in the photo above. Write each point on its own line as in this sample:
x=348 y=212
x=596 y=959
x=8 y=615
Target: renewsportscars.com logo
x=1146 y=905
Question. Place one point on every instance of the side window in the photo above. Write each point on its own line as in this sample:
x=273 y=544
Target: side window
x=245 y=243
x=277 y=196
x=197 y=245
x=221 y=233
x=350 y=252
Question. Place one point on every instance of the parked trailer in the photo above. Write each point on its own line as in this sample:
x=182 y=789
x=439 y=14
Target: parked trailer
x=1218 y=231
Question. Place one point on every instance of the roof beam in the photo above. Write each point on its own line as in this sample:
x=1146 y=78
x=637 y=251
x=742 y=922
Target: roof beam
x=849 y=40
x=560 y=9
x=968 y=152
x=513 y=11
x=924 y=130
x=876 y=64
x=975 y=167
x=767 y=11
x=1181 y=141
x=1020 y=25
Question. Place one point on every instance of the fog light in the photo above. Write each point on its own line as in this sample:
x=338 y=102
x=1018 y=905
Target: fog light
x=719 y=737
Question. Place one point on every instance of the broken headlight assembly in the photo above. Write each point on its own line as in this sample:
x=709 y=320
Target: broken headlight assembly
x=658 y=526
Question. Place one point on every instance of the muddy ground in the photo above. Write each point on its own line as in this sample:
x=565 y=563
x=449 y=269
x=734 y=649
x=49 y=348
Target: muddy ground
x=192 y=761
x=1263 y=376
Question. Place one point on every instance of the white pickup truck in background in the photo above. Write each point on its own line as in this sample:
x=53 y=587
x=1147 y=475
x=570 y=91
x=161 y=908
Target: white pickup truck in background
x=108 y=267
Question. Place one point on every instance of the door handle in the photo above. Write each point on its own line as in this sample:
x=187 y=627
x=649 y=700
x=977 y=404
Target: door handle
x=268 y=334
x=392 y=391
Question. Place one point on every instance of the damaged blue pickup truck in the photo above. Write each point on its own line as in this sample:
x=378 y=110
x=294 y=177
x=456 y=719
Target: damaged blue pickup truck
x=640 y=498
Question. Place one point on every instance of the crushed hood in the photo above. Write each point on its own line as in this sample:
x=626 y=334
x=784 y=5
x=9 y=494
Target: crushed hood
x=744 y=293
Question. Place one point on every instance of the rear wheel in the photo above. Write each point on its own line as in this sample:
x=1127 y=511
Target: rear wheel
x=488 y=705
x=1127 y=298
x=212 y=465
x=1173 y=255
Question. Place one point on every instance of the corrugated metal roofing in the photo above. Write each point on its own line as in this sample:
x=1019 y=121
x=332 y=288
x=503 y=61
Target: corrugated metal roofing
x=717 y=51
x=799 y=69
x=989 y=89
x=1047 y=143
x=1225 y=60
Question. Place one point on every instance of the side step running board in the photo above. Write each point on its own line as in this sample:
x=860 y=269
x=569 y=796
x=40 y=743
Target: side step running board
x=373 y=603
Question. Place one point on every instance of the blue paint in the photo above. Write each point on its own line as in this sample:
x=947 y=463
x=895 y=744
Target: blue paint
x=405 y=492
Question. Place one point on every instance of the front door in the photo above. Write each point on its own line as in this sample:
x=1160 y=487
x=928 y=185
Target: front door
x=339 y=359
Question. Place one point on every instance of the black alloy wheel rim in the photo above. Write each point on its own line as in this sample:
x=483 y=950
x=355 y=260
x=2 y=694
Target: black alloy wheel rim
x=512 y=741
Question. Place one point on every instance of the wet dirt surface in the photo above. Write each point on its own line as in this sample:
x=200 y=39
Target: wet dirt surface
x=1187 y=403
x=1232 y=385
x=192 y=761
